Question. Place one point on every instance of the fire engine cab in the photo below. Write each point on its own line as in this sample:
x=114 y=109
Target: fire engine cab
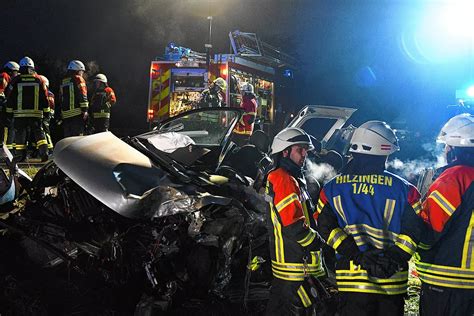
x=176 y=81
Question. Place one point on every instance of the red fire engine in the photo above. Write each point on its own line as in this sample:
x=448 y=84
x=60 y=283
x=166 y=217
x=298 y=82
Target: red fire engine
x=177 y=81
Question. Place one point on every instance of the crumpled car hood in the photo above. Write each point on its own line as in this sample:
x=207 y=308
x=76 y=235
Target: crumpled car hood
x=110 y=170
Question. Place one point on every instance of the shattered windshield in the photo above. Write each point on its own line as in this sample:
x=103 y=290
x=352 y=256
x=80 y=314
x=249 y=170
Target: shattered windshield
x=207 y=127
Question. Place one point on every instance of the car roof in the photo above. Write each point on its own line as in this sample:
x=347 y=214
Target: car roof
x=321 y=121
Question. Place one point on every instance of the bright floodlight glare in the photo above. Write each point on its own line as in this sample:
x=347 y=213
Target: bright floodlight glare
x=447 y=30
x=470 y=91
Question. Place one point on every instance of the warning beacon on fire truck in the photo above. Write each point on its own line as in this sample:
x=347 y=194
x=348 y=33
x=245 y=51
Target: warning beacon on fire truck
x=176 y=82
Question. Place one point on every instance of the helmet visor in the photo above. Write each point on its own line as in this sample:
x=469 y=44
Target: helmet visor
x=302 y=140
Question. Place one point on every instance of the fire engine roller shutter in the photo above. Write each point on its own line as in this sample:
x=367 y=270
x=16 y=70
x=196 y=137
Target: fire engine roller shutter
x=161 y=93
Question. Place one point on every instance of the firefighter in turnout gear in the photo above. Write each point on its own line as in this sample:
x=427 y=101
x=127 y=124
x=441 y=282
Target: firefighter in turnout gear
x=28 y=105
x=73 y=100
x=446 y=262
x=369 y=216
x=10 y=70
x=102 y=100
x=244 y=127
x=46 y=120
x=213 y=97
x=294 y=245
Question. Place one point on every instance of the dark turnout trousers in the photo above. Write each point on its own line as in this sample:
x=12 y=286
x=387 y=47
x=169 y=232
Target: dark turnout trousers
x=443 y=301
x=29 y=126
x=284 y=299
x=73 y=126
x=361 y=304
x=100 y=124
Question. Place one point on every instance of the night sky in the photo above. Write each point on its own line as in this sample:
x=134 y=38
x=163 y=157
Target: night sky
x=352 y=53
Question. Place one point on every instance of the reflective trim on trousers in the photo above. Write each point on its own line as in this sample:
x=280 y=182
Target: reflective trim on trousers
x=366 y=287
x=446 y=282
x=304 y=297
x=295 y=276
x=398 y=277
x=452 y=277
x=296 y=267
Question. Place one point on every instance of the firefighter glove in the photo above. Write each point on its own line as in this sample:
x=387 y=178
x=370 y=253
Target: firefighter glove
x=366 y=258
x=398 y=260
x=376 y=264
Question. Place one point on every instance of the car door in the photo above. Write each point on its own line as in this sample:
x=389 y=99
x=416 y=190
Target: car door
x=325 y=123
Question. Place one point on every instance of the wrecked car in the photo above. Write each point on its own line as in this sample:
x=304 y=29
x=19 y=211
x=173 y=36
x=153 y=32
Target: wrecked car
x=153 y=224
x=143 y=225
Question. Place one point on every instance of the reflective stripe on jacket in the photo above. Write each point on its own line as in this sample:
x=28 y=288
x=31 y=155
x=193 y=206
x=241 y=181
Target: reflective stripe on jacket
x=73 y=96
x=446 y=257
x=27 y=97
x=294 y=246
x=246 y=123
x=101 y=102
x=374 y=211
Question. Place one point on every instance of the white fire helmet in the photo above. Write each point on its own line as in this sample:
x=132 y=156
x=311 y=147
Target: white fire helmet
x=45 y=80
x=27 y=62
x=101 y=78
x=374 y=138
x=458 y=131
x=220 y=83
x=288 y=137
x=13 y=66
x=76 y=65
x=247 y=88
